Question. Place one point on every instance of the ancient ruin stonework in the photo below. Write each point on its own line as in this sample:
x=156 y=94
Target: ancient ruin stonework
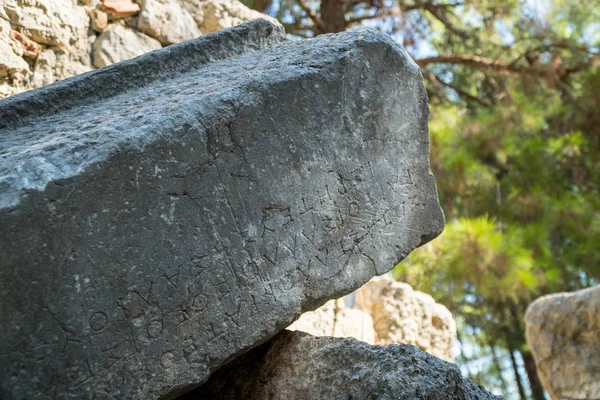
x=386 y=312
x=296 y=365
x=563 y=331
x=404 y=315
x=160 y=216
x=44 y=41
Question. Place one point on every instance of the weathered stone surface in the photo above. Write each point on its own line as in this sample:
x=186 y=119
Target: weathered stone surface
x=222 y=14
x=34 y=25
x=98 y=20
x=563 y=332
x=166 y=21
x=403 y=315
x=30 y=48
x=162 y=215
x=295 y=365
x=335 y=319
x=11 y=63
x=119 y=44
x=58 y=22
x=29 y=28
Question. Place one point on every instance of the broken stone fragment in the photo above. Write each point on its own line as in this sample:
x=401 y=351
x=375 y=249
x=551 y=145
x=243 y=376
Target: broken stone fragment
x=163 y=215
x=563 y=332
x=166 y=21
x=30 y=48
x=296 y=365
x=119 y=44
x=222 y=14
x=99 y=20
x=10 y=63
x=120 y=8
x=404 y=315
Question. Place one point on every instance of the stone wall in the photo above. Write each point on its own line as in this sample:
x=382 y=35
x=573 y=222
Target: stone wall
x=44 y=41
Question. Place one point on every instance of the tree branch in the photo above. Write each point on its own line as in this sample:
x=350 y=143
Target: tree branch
x=312 y=15
x=440 y=14
x=547 y=71
x=437 y=81
x=381 y=13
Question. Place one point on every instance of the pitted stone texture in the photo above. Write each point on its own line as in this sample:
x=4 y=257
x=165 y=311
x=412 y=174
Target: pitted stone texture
x=170 y=213
x=297 y=366
x=563 y=332
x=404 y=315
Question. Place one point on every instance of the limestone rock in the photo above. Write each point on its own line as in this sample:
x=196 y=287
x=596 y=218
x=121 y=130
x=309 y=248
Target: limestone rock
x=563 y=332
x=222 y=14
x=335 y=319
x=119 y=43
x=11 y=52
x=319 y=322
x=166 y=21
x=350 y=322
x=66 y=67
x=403 y=315
x=120 y=8
x=196 y=10
x=10 y=63
x=99 y=20
x=43 y=71
x=30 y=48
x=295 y=365
x=56 y=23
x=163 y=215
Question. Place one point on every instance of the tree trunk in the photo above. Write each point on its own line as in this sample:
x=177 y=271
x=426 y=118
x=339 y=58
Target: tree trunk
x=518 y=379
x=537 y=390
x=333 y=15
x=498 y=366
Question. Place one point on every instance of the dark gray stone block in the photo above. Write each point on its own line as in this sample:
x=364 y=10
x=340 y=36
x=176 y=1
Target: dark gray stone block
x=165 y=214
x=298 y=366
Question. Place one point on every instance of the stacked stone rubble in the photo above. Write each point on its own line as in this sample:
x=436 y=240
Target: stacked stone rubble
x=44 y=41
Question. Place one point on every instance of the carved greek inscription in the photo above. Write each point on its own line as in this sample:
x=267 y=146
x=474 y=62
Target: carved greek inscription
x=172 y=277
x=167 y=360
x=98 y=321
x=154 y=328
x=353 y=209
x=199 y=303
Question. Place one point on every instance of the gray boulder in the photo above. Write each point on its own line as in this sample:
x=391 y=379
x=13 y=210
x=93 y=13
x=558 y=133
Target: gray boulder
x=298 y=366
x=160 y=216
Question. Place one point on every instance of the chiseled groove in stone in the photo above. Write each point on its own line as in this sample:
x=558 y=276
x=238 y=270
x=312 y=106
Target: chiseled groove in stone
x=184 y=222
x=141 y=71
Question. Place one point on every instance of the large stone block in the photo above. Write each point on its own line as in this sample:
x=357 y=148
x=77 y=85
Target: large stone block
x=298 y=366
x=563 y=331
x=162 y=215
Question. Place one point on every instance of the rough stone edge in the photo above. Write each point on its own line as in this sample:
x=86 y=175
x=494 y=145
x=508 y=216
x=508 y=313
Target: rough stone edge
x=534 y=312
x=140 y=71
